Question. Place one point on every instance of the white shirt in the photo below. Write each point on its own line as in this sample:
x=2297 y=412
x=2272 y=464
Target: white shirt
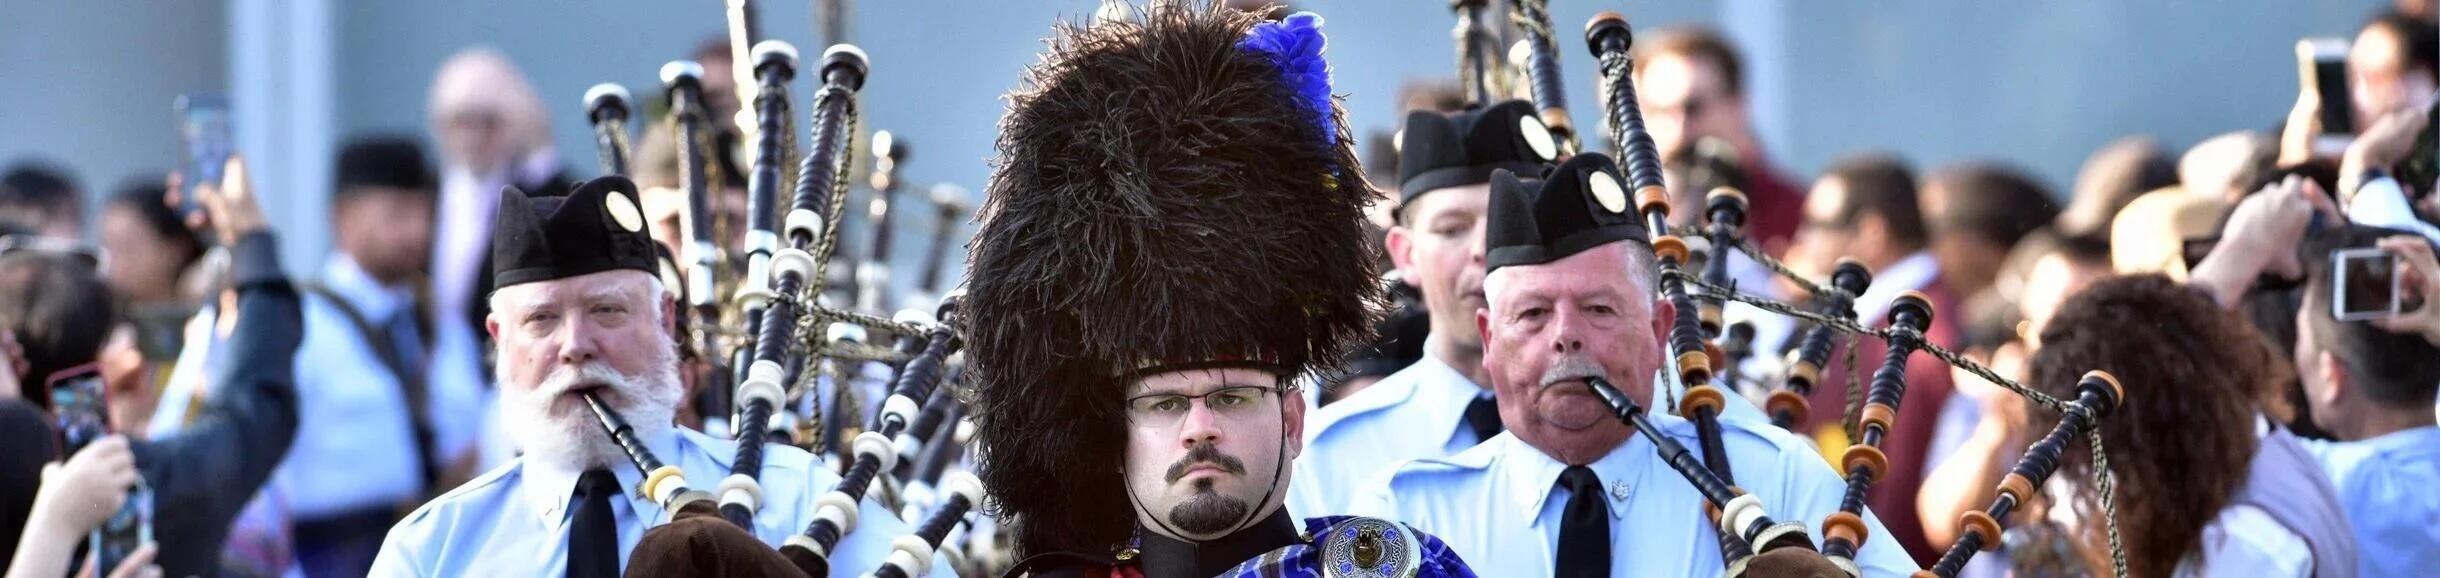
x=355 y=444
x=2243 y=540
x=514 y=521
x=2386 y=485
x=1499 y=504
x=2246 y=541
x=1912 y=273
x=1418 y=412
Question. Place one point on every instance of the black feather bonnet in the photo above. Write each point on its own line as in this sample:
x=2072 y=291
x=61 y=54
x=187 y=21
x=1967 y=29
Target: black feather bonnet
x=1173 y=189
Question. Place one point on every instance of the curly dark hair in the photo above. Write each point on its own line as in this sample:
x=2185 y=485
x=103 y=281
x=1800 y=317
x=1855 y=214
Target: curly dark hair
x=2181 y=443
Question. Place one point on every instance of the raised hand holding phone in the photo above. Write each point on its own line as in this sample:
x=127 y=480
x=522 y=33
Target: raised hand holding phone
x=2419 y=276
x=229 y=208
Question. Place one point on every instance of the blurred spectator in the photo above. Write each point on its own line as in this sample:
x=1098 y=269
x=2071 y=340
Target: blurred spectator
x=32 y=443
x=152 y=256
x=1710 y=163
x=2111 y=178
x=379 y=429
x=2152 y=234
x=2416 y=9
x=2253 y=269
x=1866 y=207
x=2379 y=173
x=2370 y=388
x=150 y=247
x=43 y=198
x=657 y=177
x=2059 y=269
x=2392 y=67
x=493 y=133
x=1691 y=83
x=203 y=466
x=719 y=79
x=2201 y=488
x=2228 y=166
x=1977 y=213
x=58 y=309
x=2261 y=237
x=77 y=497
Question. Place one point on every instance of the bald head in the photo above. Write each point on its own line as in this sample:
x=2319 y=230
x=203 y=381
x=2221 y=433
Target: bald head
x=484 y=114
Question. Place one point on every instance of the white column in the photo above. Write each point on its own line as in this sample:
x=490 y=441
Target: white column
x=1760 y=30
x=285 y=99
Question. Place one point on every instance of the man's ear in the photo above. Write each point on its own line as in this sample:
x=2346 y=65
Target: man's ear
x=669 y=315
x=1400 y=244
x=1292 y=407
x=2333 y=375
x=1482 y=324
x=1664 y=316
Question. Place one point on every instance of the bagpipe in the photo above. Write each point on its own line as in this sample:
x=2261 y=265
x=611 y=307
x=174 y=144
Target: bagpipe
x=1537 y=55
x=788 y=334
x=1703 y=346
x=1481 y=71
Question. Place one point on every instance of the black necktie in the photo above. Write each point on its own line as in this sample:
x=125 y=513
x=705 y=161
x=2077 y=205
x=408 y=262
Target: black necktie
x=593 y=538
x=1584 y=530
x=1483 y=414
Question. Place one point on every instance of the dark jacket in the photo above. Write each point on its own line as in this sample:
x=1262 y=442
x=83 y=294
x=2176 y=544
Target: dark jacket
x=203 y=476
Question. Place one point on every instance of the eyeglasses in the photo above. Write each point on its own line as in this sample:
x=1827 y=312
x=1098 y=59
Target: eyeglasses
x=1163 y=410
x=73 y=251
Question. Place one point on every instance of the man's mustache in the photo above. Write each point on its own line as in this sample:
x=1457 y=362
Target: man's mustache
x=1201 y=454
x=1571 y=368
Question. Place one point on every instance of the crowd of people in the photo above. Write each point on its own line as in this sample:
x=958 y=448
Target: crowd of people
x=399 y=409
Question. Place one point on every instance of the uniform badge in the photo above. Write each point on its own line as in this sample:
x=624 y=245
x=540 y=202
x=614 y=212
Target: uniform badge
x=1370 y=548
x=1538 y=137
x=623 y=211
x=1606 y=190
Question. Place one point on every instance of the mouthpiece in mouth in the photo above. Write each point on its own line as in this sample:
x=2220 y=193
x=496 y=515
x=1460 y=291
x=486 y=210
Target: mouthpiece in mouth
x=1610 y=396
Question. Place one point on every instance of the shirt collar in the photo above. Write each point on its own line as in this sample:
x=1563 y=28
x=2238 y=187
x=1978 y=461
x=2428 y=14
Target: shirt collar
x=1909 y=274
x=2417 y=440
x=348 y=280
x=549 y=491
x=1442 y=393
x=1619 y=470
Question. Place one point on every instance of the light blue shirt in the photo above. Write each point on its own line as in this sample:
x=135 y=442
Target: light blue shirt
x=1499 y=504
x=2386 y=485
x=1418 y=412
x=514 y=520
x=355 y=444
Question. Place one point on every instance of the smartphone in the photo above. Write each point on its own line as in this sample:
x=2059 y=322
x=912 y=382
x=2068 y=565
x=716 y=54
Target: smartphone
x=79 y=409
x=2321 y=65
x=2365 y=285
x=203 y=121
x=78 y=401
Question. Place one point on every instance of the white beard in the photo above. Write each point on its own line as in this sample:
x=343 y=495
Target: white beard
x=571 y=438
